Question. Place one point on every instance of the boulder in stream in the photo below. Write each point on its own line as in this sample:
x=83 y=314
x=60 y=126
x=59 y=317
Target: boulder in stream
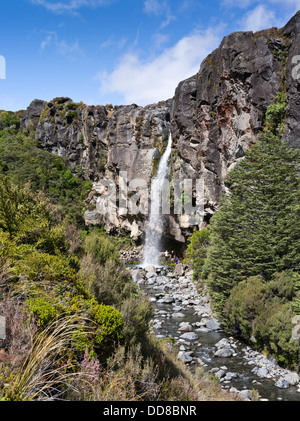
x=224 y=353
x=189 y=336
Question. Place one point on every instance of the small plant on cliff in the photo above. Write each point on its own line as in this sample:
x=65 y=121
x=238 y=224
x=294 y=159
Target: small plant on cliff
x=275 y=115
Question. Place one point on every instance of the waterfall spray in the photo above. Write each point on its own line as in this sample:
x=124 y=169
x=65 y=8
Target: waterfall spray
x=154 y=228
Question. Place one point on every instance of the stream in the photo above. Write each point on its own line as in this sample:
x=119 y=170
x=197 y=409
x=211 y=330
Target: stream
x=183 y=314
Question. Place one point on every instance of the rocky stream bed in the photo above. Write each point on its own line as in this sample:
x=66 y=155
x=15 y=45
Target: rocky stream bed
x=185 y=315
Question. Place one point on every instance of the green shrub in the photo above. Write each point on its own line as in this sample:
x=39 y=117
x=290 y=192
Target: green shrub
x=275 y=114
x=296 y=301
x=71 y=116
x=22 y=161
x=39 y=233
x=282 y=285
x=53 y=270
x=263 y=312
x=43 y=309
x=137 y=313
x=111 y=324
x=9 y=121
x=19 y=204
x=246 y=301
x=101 y=248
x=197 y=250
x=273 y=329
x=110 y=283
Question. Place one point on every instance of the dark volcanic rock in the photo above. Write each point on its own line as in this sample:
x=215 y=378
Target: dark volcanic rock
x=32 y=115
x=213 y=117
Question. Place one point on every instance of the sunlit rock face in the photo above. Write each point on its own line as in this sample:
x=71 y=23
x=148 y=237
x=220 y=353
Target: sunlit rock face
x=213 y=117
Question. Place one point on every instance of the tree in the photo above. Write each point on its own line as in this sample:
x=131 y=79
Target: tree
x=9 y=121
x=16 y=204
x=257 y=228
x=197 y=250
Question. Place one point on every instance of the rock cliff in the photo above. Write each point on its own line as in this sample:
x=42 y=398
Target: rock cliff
x=213 y=117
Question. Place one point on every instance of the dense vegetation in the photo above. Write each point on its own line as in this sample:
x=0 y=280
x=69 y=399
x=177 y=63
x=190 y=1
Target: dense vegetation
x=23 y=161
x=77 y=326
x=252 y=265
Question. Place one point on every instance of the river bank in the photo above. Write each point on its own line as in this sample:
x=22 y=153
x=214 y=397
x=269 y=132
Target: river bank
x=184 y=314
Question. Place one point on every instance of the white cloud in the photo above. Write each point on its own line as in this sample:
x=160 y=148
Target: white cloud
x=69 y=6
x=159 y=8
x=241 y=4
x=290 y=8
x=294 y=5
x=47 y=41
x=160 y=39
x=145 y=82
x=62 y=47
x=262 y=17
x=111 y=42
x=154 y=7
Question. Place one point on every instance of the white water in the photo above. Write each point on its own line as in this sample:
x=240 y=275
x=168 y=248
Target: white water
x=154 y=228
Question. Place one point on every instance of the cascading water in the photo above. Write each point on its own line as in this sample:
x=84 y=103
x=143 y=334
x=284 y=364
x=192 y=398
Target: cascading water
x=154 y=228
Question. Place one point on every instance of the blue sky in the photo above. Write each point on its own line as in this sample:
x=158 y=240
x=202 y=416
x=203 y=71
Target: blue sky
x=117 y=51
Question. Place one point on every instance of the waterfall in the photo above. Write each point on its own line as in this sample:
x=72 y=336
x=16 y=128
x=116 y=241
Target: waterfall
x=154 y=228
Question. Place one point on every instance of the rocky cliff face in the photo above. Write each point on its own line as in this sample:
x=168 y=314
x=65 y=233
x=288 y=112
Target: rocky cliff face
x=216 y=114
x=99 y=142
x=213 y=117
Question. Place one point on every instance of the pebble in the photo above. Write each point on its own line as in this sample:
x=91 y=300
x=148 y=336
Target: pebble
x=212 y=324
x=245 y=394
x=202 y=330
x=178 y=315
x=185 y=327
x=282 y=384
x=185 y=357
x=292 y=378
x=262 y=372
x=224 y=353
x=220 y=374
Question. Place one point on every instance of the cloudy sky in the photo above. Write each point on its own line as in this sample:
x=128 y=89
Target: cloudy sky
x=117 y=51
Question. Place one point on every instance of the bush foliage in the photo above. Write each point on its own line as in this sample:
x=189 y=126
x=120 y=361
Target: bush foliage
x=197 y=251
x=22 y=161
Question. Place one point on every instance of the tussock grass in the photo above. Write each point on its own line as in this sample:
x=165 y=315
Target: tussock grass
x=47 y=366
